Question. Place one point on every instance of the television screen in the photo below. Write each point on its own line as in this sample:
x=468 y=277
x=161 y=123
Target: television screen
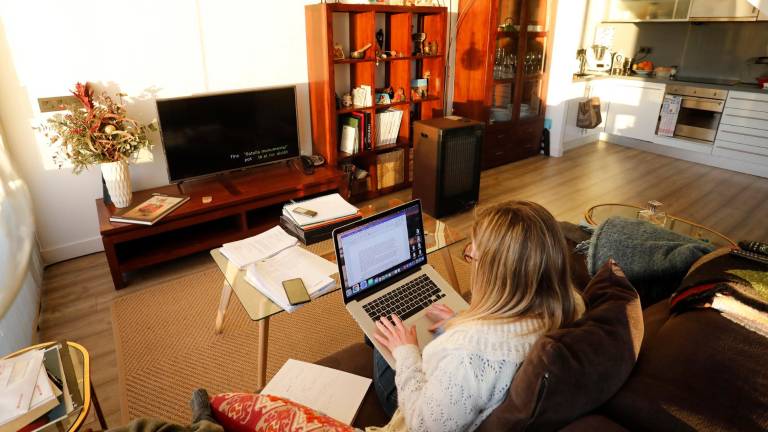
x=203 y=135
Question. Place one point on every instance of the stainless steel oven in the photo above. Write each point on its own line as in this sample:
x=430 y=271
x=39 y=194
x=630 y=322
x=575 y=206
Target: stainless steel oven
x=700 y=111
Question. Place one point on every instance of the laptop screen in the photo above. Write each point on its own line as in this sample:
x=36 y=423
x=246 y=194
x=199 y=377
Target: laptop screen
x=379 y=249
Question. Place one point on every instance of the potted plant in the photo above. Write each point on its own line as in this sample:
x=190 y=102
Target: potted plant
x=97 y=131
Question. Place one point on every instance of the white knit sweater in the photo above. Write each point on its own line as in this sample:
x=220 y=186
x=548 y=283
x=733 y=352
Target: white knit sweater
x=462 y=375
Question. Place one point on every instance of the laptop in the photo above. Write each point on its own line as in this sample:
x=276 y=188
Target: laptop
x=383 y=270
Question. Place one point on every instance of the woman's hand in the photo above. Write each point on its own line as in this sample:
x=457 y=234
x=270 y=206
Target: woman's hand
x=439 y=314
x=394 y=334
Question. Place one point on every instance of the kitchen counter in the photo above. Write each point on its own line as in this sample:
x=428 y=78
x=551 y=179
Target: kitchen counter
x=749 y=88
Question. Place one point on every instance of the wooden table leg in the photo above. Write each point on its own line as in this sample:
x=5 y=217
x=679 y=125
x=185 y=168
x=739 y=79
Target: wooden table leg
x=263 y=340
x=226 y=292
x=97 y=408
x=450 y=269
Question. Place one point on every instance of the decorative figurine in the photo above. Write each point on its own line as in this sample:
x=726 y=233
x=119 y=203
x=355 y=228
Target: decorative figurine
x=346 y=100
x=400 y=95
x=415 y=95
x=380 y=39
x=360 y=53
x=418 y=43
x=338 y=52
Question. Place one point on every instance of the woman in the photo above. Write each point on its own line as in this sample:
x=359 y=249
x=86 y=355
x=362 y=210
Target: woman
x=521 y=289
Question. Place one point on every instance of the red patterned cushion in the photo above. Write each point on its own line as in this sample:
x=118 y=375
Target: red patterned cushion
x=249 y=412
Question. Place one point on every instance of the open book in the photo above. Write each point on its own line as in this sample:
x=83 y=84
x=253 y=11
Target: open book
x=294 y=262
x=273 y=257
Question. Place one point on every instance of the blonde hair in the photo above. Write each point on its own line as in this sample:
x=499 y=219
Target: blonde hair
x=521 y=267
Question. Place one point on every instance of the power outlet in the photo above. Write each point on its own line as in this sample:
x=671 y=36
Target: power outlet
x=646 y=50
x=58 y=103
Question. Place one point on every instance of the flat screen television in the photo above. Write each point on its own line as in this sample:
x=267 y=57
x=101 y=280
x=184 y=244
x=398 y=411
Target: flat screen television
x=210 y=134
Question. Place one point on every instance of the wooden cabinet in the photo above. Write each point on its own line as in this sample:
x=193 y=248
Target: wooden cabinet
x=502 y=52
x=634 y=109
x=352 y=26
x=725 y=10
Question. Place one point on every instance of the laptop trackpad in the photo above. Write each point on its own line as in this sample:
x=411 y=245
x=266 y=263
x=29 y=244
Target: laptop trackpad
x=423 y=334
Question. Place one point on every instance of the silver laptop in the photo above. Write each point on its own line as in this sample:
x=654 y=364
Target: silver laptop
x=383 y=270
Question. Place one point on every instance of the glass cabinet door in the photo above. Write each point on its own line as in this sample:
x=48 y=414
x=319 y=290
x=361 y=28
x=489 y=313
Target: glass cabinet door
x=534 y=59
x=505 y=60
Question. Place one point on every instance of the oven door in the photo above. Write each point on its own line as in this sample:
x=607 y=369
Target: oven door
x=699 y=118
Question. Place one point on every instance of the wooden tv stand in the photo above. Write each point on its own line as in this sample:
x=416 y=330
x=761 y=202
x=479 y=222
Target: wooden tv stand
x=244 y=204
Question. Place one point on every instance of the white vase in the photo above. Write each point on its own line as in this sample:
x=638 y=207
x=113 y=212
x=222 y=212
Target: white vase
x=118 y=180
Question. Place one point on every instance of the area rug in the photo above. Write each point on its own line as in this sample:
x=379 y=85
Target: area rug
x=166 y=345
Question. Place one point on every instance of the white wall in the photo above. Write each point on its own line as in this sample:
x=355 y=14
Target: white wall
x=146 y=49
x=569 y=25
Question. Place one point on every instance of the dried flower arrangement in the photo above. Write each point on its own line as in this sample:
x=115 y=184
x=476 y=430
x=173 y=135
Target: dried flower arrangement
x=96 y=132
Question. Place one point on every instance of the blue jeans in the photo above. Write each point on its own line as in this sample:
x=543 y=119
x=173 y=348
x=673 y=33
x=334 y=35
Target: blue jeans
x=384 y=383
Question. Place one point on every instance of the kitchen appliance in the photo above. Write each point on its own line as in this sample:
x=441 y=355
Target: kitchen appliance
x=706 y=80
x=617 y=64
x=581 y=56
x=700 y=111
x=599 y=59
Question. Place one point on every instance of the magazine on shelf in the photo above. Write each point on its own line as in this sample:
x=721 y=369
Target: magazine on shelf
x=150 y=211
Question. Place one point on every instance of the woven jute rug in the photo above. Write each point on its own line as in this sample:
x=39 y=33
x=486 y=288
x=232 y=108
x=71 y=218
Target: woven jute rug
x=166 y=344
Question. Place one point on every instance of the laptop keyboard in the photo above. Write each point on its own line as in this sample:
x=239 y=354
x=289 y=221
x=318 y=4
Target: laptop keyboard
x=405 y=301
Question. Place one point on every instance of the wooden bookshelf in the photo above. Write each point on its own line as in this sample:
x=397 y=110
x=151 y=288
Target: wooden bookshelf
x=354 y=26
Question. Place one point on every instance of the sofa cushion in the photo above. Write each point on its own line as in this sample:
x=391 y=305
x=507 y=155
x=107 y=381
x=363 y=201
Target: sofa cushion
x=573 y=370
x=248 y=412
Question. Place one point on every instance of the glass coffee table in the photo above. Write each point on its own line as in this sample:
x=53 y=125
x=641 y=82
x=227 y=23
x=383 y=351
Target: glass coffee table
x=598 y=214
x=439 y=237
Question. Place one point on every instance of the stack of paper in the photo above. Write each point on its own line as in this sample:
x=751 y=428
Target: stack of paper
x=332 y=392
x=388 y=126
x=328 y=208
x=26 y=392
x=248 y=251
x=670 y=109
x=295 y=262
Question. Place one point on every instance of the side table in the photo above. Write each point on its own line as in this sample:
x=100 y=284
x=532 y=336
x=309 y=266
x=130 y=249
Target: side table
x=76 y=360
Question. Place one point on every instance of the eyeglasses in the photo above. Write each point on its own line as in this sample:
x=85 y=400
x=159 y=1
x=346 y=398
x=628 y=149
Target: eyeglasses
x=468 y=253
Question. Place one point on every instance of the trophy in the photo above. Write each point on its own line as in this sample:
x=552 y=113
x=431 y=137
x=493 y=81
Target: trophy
x=418 y=43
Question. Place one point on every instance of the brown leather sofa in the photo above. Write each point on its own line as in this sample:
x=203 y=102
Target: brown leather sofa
x=695 y=371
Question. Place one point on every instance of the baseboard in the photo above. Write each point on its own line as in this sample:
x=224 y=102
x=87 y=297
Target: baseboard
x=578 y=142
x=71 y=250
x=690 y=156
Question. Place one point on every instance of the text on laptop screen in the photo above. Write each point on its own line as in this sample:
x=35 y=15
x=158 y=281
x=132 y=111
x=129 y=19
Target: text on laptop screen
x=381 y=249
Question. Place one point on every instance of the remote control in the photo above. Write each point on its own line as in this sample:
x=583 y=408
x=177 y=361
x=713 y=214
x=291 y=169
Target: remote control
x=750 y=256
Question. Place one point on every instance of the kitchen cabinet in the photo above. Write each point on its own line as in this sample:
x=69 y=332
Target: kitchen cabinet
x=634 y=109
x=723 y=10
x=648 y=10
x=743 y=131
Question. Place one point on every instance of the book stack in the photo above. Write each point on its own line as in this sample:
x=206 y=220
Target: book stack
x=36 y=390
x=356 y=132
x=388 y=126
x=332 y=211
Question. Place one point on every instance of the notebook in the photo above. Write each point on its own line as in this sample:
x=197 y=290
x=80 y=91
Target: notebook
x=332 y=392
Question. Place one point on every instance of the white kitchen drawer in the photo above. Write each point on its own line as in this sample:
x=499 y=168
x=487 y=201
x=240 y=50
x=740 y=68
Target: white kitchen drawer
x=742 y=135
x=749 y=96
x=752 y=123
x=745 y=148
x=739 y=155
x=760 y=115
x=747 y=104
x=639 y=83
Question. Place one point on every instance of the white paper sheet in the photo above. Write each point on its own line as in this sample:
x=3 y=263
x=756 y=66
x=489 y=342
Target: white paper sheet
x=328 y=207
x=248 y=251
x=333 y=392
x=18 y=377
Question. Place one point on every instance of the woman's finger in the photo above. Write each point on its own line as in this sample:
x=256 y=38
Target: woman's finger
x=387 y=323
x=382 y=328
x=398 y=322
x=382 y=340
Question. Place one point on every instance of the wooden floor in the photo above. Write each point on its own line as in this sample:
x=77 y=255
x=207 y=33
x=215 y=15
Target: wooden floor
x=78 y=293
